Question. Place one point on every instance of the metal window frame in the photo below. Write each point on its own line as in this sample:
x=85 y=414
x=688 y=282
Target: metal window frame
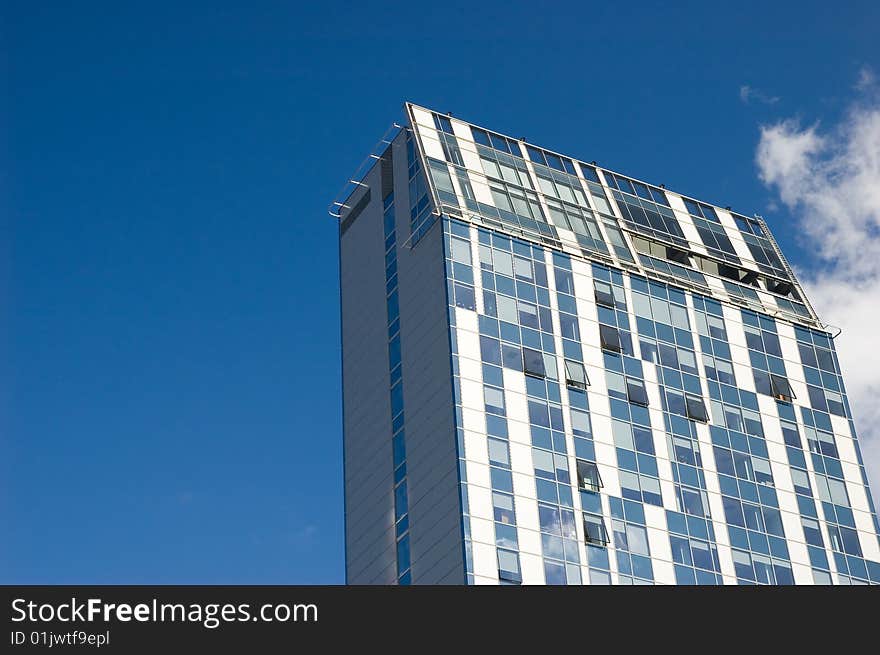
x=688 y=398
x=779 y=385
x=531 y=372
x=611 y=346
x=599 y=520
x=569 y=379
x=581 y=478
x=640 y=384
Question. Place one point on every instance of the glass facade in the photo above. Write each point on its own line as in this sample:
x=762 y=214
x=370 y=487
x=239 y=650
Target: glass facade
x=642 y=394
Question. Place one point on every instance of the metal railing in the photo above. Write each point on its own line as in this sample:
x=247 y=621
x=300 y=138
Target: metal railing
x=788 y=268
x=338 y=204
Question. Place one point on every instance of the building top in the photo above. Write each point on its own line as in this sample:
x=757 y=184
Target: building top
x=580 y=208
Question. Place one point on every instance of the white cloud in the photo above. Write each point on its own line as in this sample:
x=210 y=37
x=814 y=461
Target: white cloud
x=749 y=94
x=830 y=180
x=867 y=79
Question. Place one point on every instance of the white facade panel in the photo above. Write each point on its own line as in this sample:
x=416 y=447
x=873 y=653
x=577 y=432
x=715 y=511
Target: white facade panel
x=485 y=563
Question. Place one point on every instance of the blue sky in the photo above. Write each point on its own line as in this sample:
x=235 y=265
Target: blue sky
x=169 y=356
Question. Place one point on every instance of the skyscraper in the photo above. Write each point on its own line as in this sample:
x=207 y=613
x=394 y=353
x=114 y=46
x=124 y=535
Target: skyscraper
x=557 y=374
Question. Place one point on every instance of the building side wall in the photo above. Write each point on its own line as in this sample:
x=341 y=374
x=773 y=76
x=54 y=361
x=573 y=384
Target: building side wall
x=369 y=513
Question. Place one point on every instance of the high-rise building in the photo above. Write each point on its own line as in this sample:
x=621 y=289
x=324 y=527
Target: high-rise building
x=557 y=374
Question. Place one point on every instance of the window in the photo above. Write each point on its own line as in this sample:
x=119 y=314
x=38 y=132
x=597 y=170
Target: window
x=533 y=363
x=781 y=389
x=564 y=281
x=580 y=423
x=503 y=508
x=494 y=399
x=680 y=256
x=594 y=530
x=636 y=392
x=632 y=538
x=528 y=314
x=801 y=482
x=576 y=375
x=609 y=337
x=643 y=213
x=812 y=532
x=461 y=250
x=507 y=309
x=550 y=366
x=568 y=325
x=604 y=294
x=696 y=408
x=403 y=555
x=588 y=476
x=464 y=297
x=508 y=566
x=440 y=175
x=498 y=454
